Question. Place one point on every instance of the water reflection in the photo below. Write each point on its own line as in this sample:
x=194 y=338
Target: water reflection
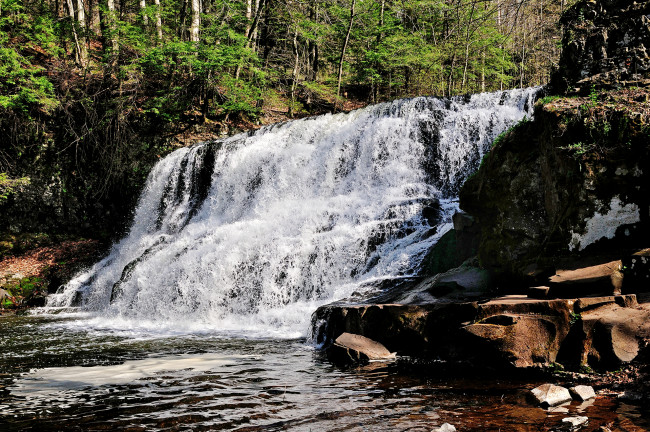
x=53 y=379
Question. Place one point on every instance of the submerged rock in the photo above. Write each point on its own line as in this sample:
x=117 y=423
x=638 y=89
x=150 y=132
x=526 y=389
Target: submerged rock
x=575 y=422
x=551 y=395
x=445 y=427
x=352 y=348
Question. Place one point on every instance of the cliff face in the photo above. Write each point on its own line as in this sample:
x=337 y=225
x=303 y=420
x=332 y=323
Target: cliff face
x=606 y=44
x=575 y=180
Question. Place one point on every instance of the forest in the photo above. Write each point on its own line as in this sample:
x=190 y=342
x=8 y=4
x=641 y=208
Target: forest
x=93 y=92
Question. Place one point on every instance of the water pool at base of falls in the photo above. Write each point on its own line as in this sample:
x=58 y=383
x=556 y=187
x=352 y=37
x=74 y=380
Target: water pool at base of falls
x=55 y=379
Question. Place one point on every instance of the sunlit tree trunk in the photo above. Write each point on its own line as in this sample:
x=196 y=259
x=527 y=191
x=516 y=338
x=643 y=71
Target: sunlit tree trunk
x=251 y=29
x=158 y=20
x=77 y=51
x=196 y=20
x=343 y=48
x=294 y=74
x=143 y=11
x=110 y=32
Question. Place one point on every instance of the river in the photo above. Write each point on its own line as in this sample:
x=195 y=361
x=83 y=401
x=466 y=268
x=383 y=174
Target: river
x=56 y=376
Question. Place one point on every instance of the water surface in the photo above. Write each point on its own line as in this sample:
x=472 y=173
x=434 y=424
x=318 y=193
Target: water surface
x=56 y=376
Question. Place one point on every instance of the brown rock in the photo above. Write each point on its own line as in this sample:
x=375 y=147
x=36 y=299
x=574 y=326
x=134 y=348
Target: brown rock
x=612 y=334
x=538 y=292
x=352 y=348
x=521 y=340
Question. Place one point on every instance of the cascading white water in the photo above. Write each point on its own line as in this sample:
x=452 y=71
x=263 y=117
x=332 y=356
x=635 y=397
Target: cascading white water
x=252 y=233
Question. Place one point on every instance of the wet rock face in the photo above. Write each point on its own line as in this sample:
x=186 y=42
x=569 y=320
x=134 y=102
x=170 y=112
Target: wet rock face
x=606 y=44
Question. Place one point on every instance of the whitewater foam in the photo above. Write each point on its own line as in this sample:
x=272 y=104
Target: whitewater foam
x=252 y=233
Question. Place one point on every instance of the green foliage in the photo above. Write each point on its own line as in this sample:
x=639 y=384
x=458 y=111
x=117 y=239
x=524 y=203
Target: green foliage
x=9 y=185
x=574 y=318
x=23 y=85
x=548 y=99
x=586 y=369
x=579 y=149
x=93 y=104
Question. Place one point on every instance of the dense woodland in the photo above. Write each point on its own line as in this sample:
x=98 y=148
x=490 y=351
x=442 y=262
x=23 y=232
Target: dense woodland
x=90 y=90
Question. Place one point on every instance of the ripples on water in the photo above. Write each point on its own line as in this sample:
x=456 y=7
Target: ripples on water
x=53 y=378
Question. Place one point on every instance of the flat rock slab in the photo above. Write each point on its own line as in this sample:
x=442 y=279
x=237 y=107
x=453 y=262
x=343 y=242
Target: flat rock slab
x=586 y=274
x=551 y=395
x=582 y=392
x=354 y=348
x=586 y=303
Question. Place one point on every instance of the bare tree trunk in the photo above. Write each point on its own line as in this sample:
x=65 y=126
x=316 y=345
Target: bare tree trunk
x=312 y=49
x=380 y=36
x=247 y=32
x=251 y=30
x=77 y=52
x=345 y=46
x=158 y=20
x=254 y=32
x=110 y=26
x=294 y=74
x=143 y=7
x=523 y=56
x=450 y=84
x=196 y=20
x=249 y=16
x=81 y=19
x=483 y=72
x=183 y=16
x=467 y=45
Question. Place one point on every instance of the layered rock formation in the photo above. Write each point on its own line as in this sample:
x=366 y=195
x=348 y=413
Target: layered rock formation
x=511 y=331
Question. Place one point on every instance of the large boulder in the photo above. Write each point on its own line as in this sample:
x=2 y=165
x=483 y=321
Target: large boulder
x=606 y=43
x=521 y=340
x=573 y=181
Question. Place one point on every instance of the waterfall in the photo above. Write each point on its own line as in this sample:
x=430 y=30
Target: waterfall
x=251 y=233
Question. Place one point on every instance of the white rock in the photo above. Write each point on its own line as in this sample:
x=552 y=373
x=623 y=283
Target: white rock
x=446 y=427
x=604 y=223
x=575 y=422
x=551 y=395
x=582 y=392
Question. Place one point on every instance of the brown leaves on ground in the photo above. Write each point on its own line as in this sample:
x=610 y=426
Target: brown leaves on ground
x=35 y=262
